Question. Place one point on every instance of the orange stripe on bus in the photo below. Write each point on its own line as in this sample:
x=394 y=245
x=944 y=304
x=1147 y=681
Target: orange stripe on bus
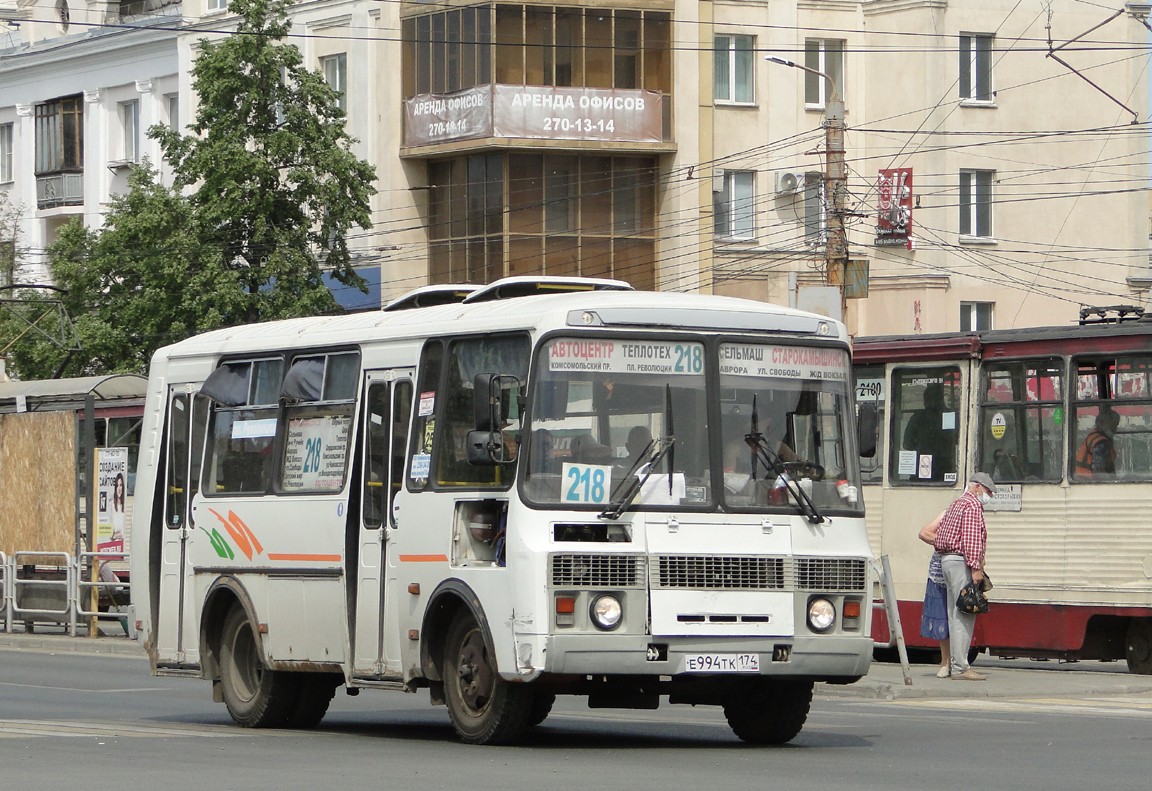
x=423 y=558
x=277 y=556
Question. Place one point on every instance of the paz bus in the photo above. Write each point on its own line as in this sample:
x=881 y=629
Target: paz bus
x=1069 y=549
x=503 y=494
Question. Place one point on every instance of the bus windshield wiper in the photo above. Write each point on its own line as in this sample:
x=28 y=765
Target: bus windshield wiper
x=773 y=463
x=632 y=483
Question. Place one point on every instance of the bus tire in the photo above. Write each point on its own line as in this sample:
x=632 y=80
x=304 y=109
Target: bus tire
x=541 y=708
x=1138 y=646
x=485 y=709
x=256 y=697
x=314 y=693
x=772 y=714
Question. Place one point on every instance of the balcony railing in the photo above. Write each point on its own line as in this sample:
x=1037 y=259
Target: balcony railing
x=61 y=189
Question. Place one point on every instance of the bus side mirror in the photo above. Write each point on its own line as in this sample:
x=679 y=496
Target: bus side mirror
x=490 y=406
x=867 y=421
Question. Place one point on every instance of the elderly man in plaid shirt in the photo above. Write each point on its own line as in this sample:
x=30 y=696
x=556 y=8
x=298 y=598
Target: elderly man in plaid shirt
x=960 y=540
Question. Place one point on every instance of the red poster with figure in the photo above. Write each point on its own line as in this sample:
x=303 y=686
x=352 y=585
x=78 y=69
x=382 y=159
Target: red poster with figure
x=894 y=225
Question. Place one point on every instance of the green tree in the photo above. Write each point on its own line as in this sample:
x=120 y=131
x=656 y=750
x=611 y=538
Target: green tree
x=277 y=185
x=140 y=282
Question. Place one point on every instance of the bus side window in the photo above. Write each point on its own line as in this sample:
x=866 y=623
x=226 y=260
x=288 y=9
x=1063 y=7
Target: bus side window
x=243 y=431
x=177 y=462
x=376 y=457
x=401 y=420
x=424 y=427
x=925 y=425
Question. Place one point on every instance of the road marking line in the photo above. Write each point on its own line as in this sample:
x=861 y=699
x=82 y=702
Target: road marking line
x=82 y=689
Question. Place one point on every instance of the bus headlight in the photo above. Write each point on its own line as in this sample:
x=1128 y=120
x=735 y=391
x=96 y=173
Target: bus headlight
x=821 y=615
x=606 y=612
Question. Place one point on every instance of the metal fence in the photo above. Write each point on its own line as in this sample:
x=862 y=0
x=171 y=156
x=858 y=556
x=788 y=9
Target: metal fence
x=53 y=587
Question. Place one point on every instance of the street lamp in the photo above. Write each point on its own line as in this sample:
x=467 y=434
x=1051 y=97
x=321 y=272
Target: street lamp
x=835 y=179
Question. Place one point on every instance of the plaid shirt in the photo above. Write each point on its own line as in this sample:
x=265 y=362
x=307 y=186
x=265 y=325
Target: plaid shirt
x=962 y=530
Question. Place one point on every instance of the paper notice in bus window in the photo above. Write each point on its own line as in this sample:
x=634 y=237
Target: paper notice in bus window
x=254 y=429
x=315 y=450
x=421 y=466
x=655 y=490
x=626 y=357
x=427 y=404
x=907 y=464
x=784 y=362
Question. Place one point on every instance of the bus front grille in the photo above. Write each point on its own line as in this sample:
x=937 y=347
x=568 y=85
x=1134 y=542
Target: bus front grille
x=831 y=574
x=596 y=571
x=719 y=572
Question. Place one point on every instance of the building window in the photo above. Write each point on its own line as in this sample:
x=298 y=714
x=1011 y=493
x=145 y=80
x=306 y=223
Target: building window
x=976 y=203
x=531 y=45
x=497 y=215
x=216 y=6
x=976 y=316
x=60 y=135
x=335 y=70
x=5 y=153
x=734 y=69
x=130 y=128
x=173 y=111
x=976 y=68
x=734 y=204
x=827 y=56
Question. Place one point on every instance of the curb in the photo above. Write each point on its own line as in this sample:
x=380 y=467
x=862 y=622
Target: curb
x=63 y=644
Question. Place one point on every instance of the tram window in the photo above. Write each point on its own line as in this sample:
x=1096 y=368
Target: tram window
x=925 y=425
x=1111 y=426
x=466 y=360
x=869 y=383
x=1020 y=432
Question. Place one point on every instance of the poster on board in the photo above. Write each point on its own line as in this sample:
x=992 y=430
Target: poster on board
x=111 y=498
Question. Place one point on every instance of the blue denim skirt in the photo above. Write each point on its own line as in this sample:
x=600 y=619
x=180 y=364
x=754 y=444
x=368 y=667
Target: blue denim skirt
x=934 y=620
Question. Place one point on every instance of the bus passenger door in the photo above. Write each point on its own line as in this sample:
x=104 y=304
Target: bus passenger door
x=187 y=418
x=387 y=415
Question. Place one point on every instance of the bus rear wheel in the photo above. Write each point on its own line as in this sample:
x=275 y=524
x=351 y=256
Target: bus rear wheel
x=485 y=709
x=314 y=693
x=255 y=696
x=772 y=714
x=1138 y=646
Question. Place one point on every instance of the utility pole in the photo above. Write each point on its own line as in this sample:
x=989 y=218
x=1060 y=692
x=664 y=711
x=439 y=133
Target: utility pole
x=835 y=184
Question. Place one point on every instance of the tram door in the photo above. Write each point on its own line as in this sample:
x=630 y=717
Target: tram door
x=187 y=420
x=387 y=415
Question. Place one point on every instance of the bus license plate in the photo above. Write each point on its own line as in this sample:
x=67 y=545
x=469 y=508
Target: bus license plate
x=722 y=663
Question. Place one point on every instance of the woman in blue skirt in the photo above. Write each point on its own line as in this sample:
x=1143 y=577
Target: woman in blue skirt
x=934 y=620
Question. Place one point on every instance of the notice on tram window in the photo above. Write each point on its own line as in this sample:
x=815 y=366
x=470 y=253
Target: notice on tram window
x=314 y=453
x=784 y=362
x=666 y=358
x=907 y=464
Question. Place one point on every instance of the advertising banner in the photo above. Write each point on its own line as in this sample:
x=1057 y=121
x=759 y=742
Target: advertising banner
x=894 y=225
x=535 y=111
x=111 y=497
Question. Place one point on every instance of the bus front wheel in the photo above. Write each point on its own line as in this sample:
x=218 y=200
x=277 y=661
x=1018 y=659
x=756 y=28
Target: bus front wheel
x=485 y=709
x=772 y=714
x=1138 y=646
x=255 y=696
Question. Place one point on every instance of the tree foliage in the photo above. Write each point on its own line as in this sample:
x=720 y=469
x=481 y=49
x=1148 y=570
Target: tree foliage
x=266 y=188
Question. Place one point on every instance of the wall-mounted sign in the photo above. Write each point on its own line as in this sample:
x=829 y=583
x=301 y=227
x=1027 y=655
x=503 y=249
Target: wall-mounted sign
x=535 y=111
x=894 y=225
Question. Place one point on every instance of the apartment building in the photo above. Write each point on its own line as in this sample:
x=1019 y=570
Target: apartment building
x=653 y=141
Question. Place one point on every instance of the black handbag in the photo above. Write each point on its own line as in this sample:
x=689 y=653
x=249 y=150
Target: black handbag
x=972 y=600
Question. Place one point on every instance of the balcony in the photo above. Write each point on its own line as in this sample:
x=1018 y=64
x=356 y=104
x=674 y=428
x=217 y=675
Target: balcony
x=59 y=189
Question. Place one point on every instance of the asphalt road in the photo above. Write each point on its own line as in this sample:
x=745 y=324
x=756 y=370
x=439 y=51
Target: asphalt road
x=82 y=721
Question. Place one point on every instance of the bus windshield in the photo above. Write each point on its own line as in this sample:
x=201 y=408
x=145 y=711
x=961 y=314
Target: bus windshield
x=784 y=422
x=603 y=408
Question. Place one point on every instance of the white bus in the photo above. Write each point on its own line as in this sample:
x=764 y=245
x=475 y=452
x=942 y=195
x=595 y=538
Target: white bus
x=538 y=487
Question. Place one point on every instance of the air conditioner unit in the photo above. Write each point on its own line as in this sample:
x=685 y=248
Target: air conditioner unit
x=789 y=183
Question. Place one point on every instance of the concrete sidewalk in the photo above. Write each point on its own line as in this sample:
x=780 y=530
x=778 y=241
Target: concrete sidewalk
x=1007 y=678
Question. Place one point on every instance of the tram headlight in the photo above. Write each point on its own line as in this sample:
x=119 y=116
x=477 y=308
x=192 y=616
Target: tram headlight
x=606 y=612
x=821 y=614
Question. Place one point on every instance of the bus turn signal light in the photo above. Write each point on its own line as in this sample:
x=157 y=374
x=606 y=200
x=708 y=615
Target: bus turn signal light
x=851 y=609
x=565 y=605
